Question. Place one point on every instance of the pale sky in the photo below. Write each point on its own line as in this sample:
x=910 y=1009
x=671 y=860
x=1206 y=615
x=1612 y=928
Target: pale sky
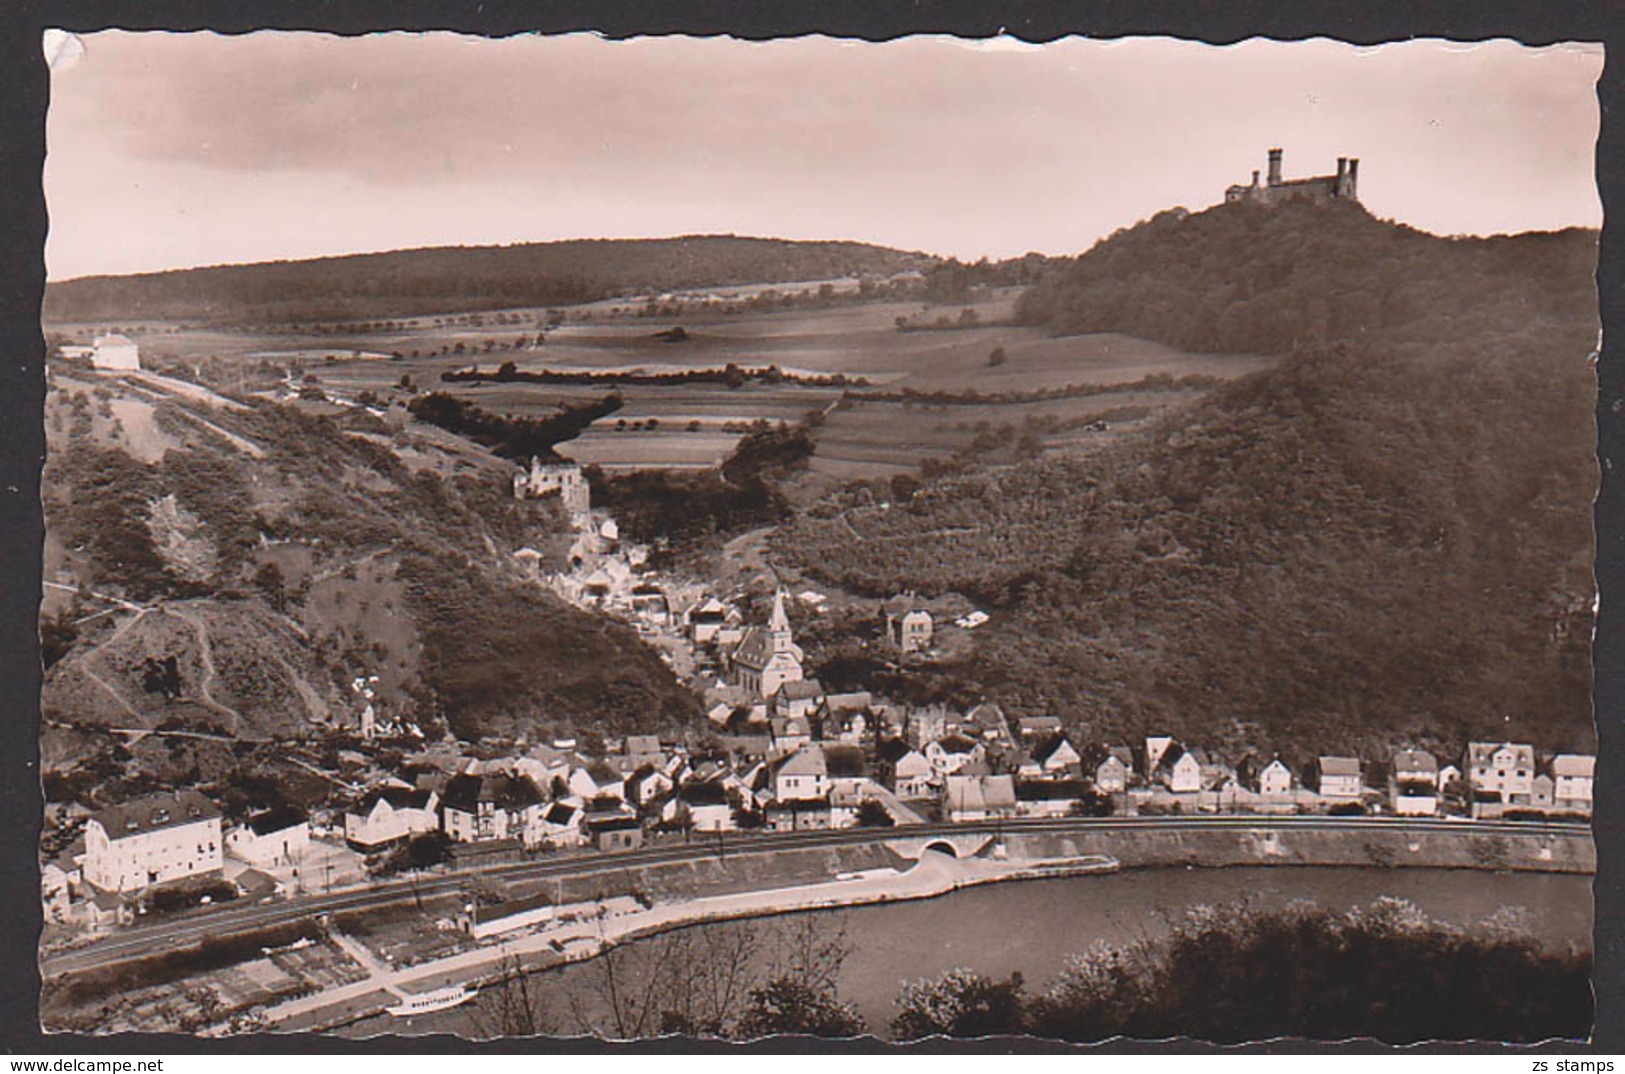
x=173 y=150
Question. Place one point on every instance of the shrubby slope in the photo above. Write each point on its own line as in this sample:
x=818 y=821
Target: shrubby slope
x=1386 y=536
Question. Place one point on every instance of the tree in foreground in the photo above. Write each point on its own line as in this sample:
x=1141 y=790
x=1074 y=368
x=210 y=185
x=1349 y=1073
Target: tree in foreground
x=1386 y=971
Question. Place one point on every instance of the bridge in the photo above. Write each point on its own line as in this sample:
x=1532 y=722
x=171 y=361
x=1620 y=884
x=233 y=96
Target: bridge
x=953 y=844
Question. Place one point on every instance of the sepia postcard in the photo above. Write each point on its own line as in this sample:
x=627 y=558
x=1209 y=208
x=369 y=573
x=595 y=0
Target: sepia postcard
x=564 y=537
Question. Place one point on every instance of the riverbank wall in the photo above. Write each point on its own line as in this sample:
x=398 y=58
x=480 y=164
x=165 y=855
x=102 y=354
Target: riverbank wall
x=1466 y=848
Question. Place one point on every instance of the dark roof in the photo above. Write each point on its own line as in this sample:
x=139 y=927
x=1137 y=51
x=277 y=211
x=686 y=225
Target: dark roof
x=1046 y=749
x=277 y=819
x=1050 y=790
x=754 y=648
x=613 y=824
x=956 y=743
x=708 y=793
x=844 y=761
x=1170 y=757
x=397 y=797
x=559 y=813
x=597 y=807
x=893 y=750
x=466 y=792
x=801 y=689
x=152 y=812
x=603 y=773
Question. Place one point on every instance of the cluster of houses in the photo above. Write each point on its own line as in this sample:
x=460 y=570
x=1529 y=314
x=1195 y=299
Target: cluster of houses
x=823 y=762
x=784 y=754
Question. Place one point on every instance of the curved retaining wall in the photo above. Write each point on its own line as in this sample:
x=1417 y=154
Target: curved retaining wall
x=1456 y=849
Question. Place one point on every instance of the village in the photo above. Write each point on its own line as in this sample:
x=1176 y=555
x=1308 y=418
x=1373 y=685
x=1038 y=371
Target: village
x=780 y=754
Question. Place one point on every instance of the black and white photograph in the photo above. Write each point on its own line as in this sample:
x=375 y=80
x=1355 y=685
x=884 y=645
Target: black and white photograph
x=562 y=537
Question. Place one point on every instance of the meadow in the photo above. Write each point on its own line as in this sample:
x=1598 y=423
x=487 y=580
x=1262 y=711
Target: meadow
x=697 y=425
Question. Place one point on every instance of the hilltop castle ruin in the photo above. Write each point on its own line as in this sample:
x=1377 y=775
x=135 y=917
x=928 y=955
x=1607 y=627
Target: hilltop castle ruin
x=1320 y=188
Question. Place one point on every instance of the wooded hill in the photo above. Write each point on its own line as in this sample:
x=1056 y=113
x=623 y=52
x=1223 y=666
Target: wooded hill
x=1385 y=537
x=277 y=567
x=460 y=278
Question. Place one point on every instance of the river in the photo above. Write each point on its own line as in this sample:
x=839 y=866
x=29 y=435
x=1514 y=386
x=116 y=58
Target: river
x=1033 y=926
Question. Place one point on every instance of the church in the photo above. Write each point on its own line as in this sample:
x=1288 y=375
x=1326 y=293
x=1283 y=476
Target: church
x=767 y=657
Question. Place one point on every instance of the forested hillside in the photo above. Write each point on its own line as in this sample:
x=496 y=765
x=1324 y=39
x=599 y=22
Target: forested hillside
x=454 y=279
x=1386 y=536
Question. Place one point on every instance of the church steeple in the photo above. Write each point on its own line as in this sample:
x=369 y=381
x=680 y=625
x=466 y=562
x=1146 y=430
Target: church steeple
x=778 y=624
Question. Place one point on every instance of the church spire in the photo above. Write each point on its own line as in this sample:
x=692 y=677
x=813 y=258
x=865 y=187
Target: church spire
x=778 y=622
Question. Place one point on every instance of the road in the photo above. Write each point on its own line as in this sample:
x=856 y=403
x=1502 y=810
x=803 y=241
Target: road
x=188 y=929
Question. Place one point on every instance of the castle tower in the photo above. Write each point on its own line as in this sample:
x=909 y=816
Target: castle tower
x=1275 y=167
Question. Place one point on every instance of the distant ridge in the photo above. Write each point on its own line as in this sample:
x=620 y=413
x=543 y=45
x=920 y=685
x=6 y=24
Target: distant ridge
x=462 y=278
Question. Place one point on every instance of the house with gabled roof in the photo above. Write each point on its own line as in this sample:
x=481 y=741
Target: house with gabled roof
x=1110 y=767
x=952 y=752
x=1413 y=783
x=643 y=750
x=496 y=806
x=802 y=775
x=904 y=768
x=1179 y=769
x=1572 y=781
x=798 y=699
x=979 y=797
x=1267 y=779
x=389 y=814
x=1056 y=757
x=708 y=807
x=1339 y=777
x=647 y=784
x=276 y=836
x=153 y=840
x=560 y=825
x=598 y=779
x=1504 y=770
x=1050 y=797
x=790 y=733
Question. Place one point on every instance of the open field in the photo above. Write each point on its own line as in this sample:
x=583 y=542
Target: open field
x=697 y=425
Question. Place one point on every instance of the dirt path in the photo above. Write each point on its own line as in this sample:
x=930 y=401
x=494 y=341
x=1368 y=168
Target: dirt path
x=90 y=673
x=206 y=657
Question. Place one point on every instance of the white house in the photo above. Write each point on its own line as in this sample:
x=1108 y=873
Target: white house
x=1448 y=774
x=116 y=354
x=1111 y=774
x=908 y=626
x=952 y=752
x=1275 y=779
x=560 y=826
x=1179 y=769
x=1049 y=797
x=1572 y=781
x=154 y=839
x=597 y=780
x=389 y=814
x=1340 y=777
x=1503 y=769
x=480 y=808
x=274 y=837
x=707 y=806
x=908 y=769
x=1055 y=756
x=1155 y=745
x=1414 y=783
x=802 y=776
x=971 y=798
